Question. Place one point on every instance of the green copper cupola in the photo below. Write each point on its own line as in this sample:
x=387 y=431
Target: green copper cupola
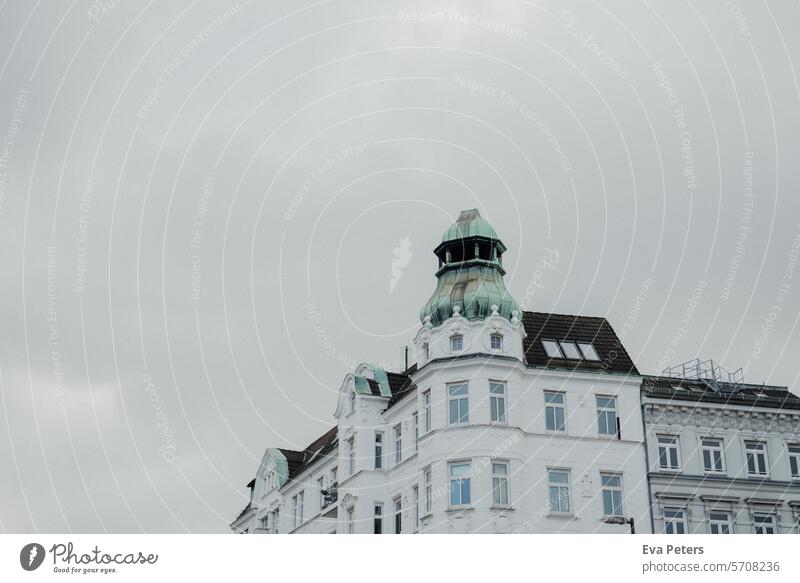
x=470 y=273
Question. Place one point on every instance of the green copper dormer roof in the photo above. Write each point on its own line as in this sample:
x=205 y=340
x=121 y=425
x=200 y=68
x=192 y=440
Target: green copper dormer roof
x=470 y=223
x=470 y=273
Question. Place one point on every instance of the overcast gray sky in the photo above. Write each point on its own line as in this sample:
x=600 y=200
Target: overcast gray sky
x=200 y=204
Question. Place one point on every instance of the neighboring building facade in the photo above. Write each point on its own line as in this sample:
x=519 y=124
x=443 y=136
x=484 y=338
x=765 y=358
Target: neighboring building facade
x=724 y=457
x=508 y=421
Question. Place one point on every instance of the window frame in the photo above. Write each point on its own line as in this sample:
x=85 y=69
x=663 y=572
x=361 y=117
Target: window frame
x=351 y=455
x=773 y=522
x=398 y=443
x=677 y=446
x=397 y=503
x=559 y=486
x=499 y=338
x=673 y=521
x=573 y=353
x=604 y=412
x=462 y=419
x=594 y=357
x=716 y=522
x=321 y=487
x=426 y=408
x=351 y=519
x=498 y=401
x=748 y=443
x=379 y=435
x=415 y=424
x=500 y=482
x=549 y=351
x=720 y=447
x=427 y=478
x=468 y=479
x=556 y=407
x=377 y=524
x=453 y=339
x=612 y=490
x=793 y=452
x=415 y=497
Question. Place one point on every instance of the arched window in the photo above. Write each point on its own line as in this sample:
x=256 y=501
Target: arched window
x=456 y=343
x=496 y=341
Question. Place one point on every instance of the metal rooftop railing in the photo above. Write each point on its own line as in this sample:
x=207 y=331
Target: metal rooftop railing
x=708 y=372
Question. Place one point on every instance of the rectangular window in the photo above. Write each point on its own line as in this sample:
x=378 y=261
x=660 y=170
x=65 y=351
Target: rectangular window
x=458 y=397
x=378 y=450
x=674 y=521
x=719 y=522
x=558 y=485
x=456 y=344
x=321 y=490
x=607 y=415
x=552 y=349
x=612 y=494
x=428 y=491
x=398 y=443
x=415 y=423
x=294 y=511
x=275 y=516
x=459 y=484
x=497 y=401
x=426 y=407
x=794 y=461
x=756 y=452
x=398 y=516
x=570 y=350
x=415 y=497
x=764 y=524
x=351 y=455
x=588 y=351
x=496 y=342
x=554 y=411
x=351 y=523
x=300 y=498
x=264 y=522
x=500 y=483
x=378 y=528
x=713 y=460
x=668 y=454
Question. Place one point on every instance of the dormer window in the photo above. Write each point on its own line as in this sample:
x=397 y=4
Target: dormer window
x=456 y=343
x=552 y=349
x=496 y=341
x=589 y=353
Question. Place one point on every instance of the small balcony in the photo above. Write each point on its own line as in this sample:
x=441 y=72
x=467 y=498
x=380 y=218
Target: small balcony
x=330 y=495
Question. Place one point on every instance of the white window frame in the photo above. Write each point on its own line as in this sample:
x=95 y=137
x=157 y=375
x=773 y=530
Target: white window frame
x=500 y=488
x=612 y=490
x=498 y=411
x=467 y=478
x=793 y=450
x=301 y=496
x=276 y=514
x=415 y=424
x=459 y=398
x=321 y=488
x=499 y=338
x=560 y=488
x=426 y=408
x=294 y=511
x=719 y=448
x=749 y=447
x=428 y=481
x=379 y=445
x=717 y=522
x=456 y=339
x=673 y=444
x=673 y=521
x=588 y=351
x=377 y=517
x=397 y=503
x=351 y=522
x=398 y=443
x=570 y=350
x=556 y=407
x=758 y=524
x=604 y=410
x=415 y=497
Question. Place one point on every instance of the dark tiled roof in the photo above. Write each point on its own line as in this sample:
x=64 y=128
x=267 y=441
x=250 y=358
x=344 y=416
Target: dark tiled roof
x=596 y=331
x=743 y=394
x=400 y=385
x=300 y=460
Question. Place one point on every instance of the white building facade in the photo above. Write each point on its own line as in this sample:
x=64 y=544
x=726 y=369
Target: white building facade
x=723 y=457
x=508 y=421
